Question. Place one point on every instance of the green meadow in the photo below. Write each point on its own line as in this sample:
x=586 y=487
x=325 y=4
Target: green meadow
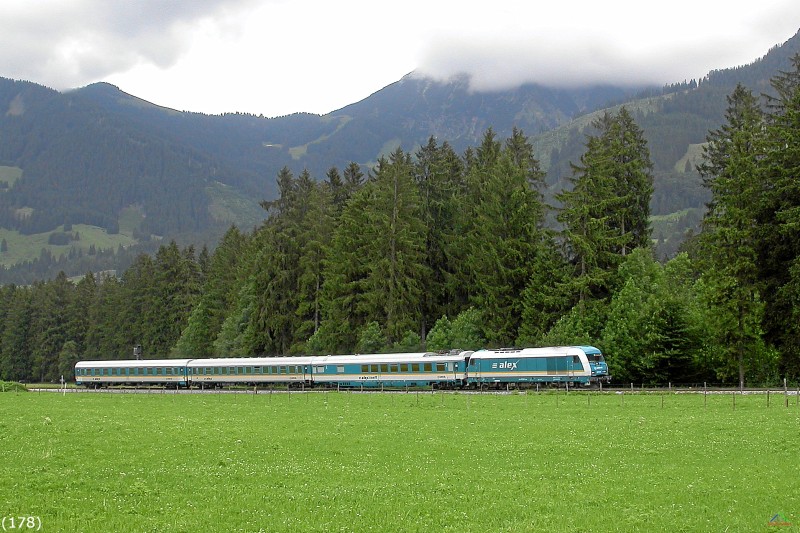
x=328 y=461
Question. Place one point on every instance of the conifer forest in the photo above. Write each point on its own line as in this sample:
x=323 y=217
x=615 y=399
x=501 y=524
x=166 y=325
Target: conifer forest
x=436 y=250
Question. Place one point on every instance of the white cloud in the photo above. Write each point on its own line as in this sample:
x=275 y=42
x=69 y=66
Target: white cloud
x=280 y=56
x=609 y=42
x=64 y=43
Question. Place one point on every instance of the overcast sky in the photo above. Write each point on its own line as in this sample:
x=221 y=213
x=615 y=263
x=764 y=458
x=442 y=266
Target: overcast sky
x=275 y=57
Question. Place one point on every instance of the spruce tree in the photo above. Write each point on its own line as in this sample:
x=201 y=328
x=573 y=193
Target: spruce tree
x=779 y=220
x=729 y=240
x=502 y=233
x=438 y=173
x=377 y=260
x=606 y=214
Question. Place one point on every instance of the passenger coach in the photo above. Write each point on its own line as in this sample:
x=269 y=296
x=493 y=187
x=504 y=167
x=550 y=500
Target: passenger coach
x=210 y=373
x=390 y=370
x=165 y=372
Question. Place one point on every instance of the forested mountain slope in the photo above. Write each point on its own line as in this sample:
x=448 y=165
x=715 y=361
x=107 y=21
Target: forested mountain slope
x=97 y=157
x=675 y=125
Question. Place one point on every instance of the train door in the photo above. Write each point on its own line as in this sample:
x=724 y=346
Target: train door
x=472 y=370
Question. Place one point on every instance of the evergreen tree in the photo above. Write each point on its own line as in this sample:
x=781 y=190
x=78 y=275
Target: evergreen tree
x=779 y=220
x=217 y=297
x=353 y=179
x=438 y=173
x=17 y=339
x=171 y=294
x=499 y=232
x=79 y=311
x=393 y=288
x=379 y=259
x=633 y=182
x=108 y=333
x=605 y=215
x=135 y=306
x=731 y=171
x=315 y=234
x=344 y=275
x=49 y=304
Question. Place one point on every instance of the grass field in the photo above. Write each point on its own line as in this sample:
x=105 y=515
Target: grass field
x=400 y=462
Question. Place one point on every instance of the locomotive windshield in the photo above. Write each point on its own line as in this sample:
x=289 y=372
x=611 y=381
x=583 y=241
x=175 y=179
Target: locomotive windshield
x=595 y=358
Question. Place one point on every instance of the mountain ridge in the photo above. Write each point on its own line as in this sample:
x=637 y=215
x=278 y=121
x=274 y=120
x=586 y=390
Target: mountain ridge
x=85 y=155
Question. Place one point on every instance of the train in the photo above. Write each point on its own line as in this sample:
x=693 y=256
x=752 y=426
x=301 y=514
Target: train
x=568 y=365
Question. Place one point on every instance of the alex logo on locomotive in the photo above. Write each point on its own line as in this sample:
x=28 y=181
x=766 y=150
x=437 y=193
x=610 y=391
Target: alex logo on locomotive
x=505 y=365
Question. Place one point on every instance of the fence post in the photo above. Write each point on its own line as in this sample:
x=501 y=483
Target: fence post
x=785 y=393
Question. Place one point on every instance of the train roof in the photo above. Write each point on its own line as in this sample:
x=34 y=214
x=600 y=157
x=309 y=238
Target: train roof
x=420 y=357
x=251 y=361
x=534 y=352
x=129 y=363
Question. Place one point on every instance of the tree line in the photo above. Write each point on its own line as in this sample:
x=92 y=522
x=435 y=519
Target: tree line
x=436 y=250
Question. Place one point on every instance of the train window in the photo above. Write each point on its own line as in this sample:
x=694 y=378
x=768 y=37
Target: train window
x=340 y=369
x=415 y=367
x=440 y=367
x=373 y=368
x=427 y=367
x=404 y=367
x=364 y=369
x=385 y=369
x=169 y=370
x=282 y=370
x=393 y=368
x=240 y=370
x=576 y=360
x=141 y=372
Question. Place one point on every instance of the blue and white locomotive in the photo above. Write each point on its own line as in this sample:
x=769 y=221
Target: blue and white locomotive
x=573 y=365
